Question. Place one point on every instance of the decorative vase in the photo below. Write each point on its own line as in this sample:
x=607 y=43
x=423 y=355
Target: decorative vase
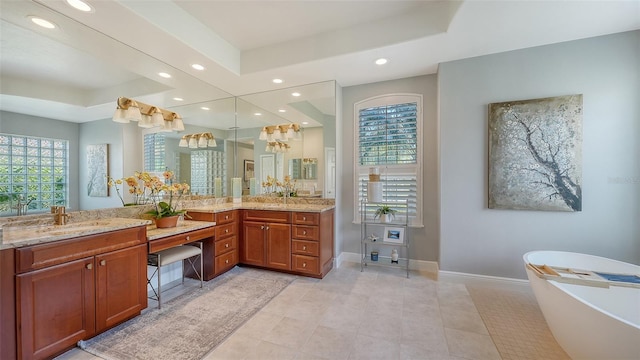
x=167 y=222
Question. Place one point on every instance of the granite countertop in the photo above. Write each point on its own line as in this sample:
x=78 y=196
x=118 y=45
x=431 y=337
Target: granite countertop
x=262 y=206
x=14 y=236
x=153 y=233
x=17 y=232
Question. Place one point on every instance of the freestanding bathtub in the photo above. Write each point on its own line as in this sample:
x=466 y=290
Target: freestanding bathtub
x=588 y=322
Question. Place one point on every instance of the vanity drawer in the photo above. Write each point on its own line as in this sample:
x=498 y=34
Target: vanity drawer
x=58 y=252
x=267 y=216
x=226 y=217
x=304 y=247
x=305 y=264
x=226 y=261
x=305 y=232
x=180 y=239
x=305 y=218
x=224 y=245
x=223 y=231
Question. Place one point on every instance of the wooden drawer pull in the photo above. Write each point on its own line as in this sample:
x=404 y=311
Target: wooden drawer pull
x=103 y=262
x=89 y=266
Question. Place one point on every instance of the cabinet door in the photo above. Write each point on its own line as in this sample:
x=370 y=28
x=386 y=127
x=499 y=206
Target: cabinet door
x=121 y=285
x=253 y=244
x=279 y=246
x=55 y=308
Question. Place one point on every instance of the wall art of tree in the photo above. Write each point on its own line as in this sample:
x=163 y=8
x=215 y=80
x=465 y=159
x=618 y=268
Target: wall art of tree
x=535 y=154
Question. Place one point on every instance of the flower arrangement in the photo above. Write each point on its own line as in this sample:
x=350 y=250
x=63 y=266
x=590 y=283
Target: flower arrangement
x=280 y=188
x=287 y=187
x=157 y=188
x=268 y=186
x=150 y=189
x=115 y=183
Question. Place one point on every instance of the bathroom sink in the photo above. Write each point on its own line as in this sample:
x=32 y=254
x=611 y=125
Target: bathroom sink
x=274 y=205
x=36 y=233
x=70 y=228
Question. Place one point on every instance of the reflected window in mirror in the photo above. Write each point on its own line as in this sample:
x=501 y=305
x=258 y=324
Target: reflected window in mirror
x=208 y=168
x=154 y=152
x=34 y=174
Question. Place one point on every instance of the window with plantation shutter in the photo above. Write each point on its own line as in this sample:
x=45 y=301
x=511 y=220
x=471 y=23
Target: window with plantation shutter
x=389 y=137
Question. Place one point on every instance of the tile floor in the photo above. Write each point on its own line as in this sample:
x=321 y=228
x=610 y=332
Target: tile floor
x=380 y=314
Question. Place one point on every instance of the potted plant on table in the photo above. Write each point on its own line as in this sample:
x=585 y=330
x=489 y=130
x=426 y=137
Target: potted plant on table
x=164 y=195
x=385 y=213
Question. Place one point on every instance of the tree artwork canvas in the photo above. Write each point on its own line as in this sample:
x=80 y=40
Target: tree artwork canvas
x=98 y=170
x=535 y=154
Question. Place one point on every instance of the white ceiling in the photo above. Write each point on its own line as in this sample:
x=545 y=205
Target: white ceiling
x=76 y=72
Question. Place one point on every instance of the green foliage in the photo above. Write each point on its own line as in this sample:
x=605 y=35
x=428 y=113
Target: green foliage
x=384 y=210
x=165 y=210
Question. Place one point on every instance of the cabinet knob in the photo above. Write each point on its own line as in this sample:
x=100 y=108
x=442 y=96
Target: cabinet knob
x=304 y=232
x=188 y=238
x=304 y=265
x=89 y=266
x=103 y=262
x=304 y=218
x=226 y=231
x=226 y=217
x=267 y=228
x=226 y=245
x=304 y=247
x=226 y=261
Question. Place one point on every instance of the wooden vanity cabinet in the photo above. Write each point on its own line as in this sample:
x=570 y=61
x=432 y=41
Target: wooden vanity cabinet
x=221 y=251
x=312 y=242
x=226 y=244
x=266 y=239
x=71 y=290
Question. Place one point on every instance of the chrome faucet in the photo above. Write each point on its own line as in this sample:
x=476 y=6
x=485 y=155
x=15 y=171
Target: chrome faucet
x=60 y=217
x=22 y=207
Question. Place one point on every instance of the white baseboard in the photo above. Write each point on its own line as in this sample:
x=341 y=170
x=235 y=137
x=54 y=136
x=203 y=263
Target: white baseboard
x=450 y=276
x=484 y=280
x=418 y=265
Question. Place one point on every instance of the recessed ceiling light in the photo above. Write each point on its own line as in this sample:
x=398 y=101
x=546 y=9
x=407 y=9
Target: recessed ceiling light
x=277 y=81
x=42 y=22
x=164 y=75
x=305 y=123
x=197 y=67
x=205 y=108
x=178 y=99
x=295 y=94
x=282 y=110
x=381 y=61
x=80 y=5
x=257 y=114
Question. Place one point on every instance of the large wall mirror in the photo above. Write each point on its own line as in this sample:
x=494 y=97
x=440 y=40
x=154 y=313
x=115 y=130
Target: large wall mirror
x=62 y=68
x=307 y=157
